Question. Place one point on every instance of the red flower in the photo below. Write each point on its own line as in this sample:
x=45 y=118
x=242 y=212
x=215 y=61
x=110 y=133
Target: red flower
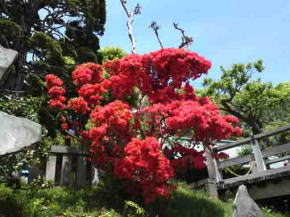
x=147 y=96
x=79 y=105
x=52 y=80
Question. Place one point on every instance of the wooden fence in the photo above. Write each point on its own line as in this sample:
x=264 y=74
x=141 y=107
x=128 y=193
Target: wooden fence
x=259 y=161
x=68 y=166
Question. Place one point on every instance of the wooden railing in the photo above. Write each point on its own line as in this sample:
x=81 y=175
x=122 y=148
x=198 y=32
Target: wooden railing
x=258 y=159
x=68 y=166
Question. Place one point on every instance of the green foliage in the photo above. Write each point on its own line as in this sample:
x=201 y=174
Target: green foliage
x=254 y=102
x=270 y=213
x=93 y=202
x=110 y=53
x=26 y=107
x=188 y=203
x=133 y=210
x=245 y=150
x=44 y=45
x=45 y=32
x=9 y=28
x=11 y=204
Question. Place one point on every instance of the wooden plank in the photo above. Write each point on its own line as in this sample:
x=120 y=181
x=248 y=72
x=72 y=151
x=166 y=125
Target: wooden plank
x=248 y=158
x=261 y=166
x=270 y=189
x=58 y=149
x=279 y=159
x=276 y=150
x=235 y=161
x=248 y=140
x=232 y=145
x=256 y=177
x=272 y=133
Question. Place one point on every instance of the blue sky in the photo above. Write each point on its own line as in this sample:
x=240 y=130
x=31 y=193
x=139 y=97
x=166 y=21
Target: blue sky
x=224 y=31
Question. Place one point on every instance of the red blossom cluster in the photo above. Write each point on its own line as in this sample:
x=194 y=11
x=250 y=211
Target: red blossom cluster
x=146 y=168
x=184 y=158
x=128 y=139
x=87 y=73
x=79 y=105
x=56 y=91
x=157 y=74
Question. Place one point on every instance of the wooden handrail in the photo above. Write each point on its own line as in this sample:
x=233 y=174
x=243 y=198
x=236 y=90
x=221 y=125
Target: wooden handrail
x=248 y=140
x=250 y=157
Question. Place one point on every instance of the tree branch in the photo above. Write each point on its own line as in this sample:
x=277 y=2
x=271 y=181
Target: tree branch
x=155 y=28
x=130 y=21
x=186 y=41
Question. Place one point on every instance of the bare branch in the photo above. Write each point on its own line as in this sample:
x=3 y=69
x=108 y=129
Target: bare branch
x=130 y=21
x=155 y=28
x=186 y=41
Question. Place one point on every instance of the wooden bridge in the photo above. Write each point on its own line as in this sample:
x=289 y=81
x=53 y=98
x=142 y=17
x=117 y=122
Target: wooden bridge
x=264 y=180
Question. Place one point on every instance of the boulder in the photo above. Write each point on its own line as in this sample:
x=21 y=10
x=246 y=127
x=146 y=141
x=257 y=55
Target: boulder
x=7 y=57
x=17 y=133
x=244 y=205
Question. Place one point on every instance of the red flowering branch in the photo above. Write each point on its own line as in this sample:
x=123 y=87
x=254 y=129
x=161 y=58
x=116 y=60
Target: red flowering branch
x=144 y=105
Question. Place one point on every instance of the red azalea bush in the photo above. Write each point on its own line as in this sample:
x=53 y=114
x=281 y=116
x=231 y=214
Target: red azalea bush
x=139 y=114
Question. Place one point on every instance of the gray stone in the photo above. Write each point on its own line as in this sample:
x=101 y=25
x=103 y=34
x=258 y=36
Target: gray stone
x=66 y=169
x=7 y=57
x=17 y=133
x=81 y=171
x=50 y=168
x=245 y=206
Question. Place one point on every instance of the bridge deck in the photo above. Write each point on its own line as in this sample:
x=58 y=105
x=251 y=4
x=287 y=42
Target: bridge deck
x=267 y=175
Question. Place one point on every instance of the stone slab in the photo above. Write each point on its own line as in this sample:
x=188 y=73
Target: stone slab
x=51 y=168
x=7 y=57
x=17 y=133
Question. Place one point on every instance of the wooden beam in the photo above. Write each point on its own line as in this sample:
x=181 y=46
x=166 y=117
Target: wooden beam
x=276 y=160
x=248 y=140
x=261 y=166
x=276 y=150
x=255 y=177
x=276 y=188
x=58 y=149
x=236 y=161
x=232 y=145
x=248 y=158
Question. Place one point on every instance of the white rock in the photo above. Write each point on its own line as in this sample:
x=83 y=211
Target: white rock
x=17 y=133
x=245 y=206
x=7 y=56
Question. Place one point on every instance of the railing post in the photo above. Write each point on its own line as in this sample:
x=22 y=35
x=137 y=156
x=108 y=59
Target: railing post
x=50 y=168
x=81 y=172
x=65 y=170
x=212 y=167
x=261 y=166
x=213 y=173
